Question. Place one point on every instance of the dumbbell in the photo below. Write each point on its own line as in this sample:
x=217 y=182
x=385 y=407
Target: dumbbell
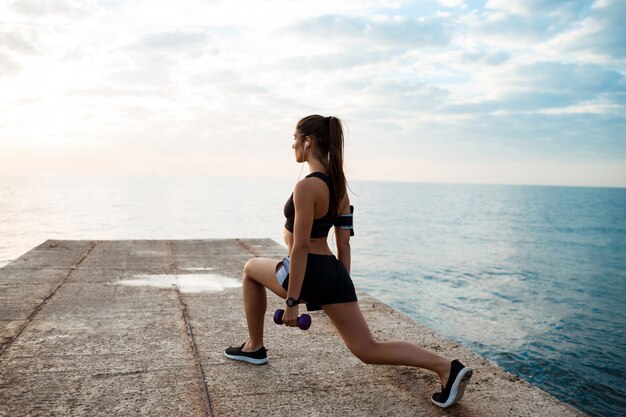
x=304 y=321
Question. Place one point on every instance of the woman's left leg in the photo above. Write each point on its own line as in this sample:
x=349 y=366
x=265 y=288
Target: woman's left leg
x=349 y=320
x=258 y=274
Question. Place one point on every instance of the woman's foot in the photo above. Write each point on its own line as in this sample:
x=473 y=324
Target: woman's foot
x=258 y=357
x=455 y=385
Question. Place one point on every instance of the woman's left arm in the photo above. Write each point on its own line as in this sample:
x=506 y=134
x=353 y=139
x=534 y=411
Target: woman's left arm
x=304 y=202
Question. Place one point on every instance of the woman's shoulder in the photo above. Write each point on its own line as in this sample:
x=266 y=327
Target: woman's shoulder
x=314 y=178
x=311 y=187
x=307 y=184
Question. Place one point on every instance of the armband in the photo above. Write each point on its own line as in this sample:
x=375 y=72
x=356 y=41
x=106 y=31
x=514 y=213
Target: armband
x=344 y=221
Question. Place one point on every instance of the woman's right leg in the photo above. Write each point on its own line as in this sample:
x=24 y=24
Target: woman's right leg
x=353 y=328
x=258 y=274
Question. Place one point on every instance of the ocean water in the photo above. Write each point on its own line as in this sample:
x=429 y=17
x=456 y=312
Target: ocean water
x=532 y=278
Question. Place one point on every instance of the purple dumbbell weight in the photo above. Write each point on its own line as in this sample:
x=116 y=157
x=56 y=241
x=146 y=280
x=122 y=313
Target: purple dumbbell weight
x=304 y=321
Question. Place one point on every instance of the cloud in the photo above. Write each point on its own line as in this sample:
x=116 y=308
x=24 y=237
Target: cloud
x=451 y=3
x=223 y=86
x=545 y=85
x=573 y=136
x=484 y=57
x=19 y=40
x=601 y=32
x=520 y=22
x=114 y=92
x=65 y=8
x=12 y=44
x=339 y=61
x=8 y=66
x=507 y=29
x=154 y=59
x=405 y=96
x=379 y=31
x=533 y=8
x=553 y=85
x=175 y=41
x=416 y=79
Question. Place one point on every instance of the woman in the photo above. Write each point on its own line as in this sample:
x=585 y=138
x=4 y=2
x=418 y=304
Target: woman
x=311 y=274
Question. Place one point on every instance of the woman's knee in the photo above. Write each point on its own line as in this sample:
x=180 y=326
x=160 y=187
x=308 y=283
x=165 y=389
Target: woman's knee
x=260 y=271
x=353 y=328
x=249 y=268
x=366 y=352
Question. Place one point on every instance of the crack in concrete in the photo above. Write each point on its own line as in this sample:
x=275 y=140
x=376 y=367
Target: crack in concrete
x=45 y=300
x=248 y=248
x=124 y=373
x=192 y=340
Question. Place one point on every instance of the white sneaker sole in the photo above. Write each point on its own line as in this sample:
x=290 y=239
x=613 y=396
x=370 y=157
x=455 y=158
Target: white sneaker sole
x=246 y=359
x=458 y=388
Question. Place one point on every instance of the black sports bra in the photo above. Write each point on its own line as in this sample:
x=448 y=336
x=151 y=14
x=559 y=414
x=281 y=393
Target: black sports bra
x=320 y=226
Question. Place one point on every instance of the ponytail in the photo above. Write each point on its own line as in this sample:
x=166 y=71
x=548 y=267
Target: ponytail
x=329 y=135
x=335 y=162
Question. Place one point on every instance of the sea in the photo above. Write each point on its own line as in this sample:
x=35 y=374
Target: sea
x=532 y=278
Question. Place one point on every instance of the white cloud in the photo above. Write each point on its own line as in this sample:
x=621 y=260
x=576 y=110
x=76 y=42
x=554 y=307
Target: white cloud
x=203 y=81
x=484 y=57
x=66 y=8
x=601 y=33
x=451 y=3
x=533 y=8
x=524 y=24
x=8 y=66
x=520 y=87
x=389 y=31
x=179 y=41
x=20 y=40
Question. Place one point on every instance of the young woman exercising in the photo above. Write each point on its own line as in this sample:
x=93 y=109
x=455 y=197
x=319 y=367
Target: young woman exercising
x=311 y=274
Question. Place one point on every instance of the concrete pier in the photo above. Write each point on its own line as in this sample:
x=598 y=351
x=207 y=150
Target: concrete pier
x=101 y=328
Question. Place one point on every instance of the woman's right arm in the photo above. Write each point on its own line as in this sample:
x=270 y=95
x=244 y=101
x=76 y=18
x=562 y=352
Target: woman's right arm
x=342 y=236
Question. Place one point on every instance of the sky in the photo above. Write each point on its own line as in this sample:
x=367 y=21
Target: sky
x=496 y=91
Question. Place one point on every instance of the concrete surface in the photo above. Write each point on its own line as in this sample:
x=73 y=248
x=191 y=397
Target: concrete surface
x=75 y=341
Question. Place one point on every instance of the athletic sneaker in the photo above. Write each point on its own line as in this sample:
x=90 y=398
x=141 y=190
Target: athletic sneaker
x=455 y=387
x=258 y=357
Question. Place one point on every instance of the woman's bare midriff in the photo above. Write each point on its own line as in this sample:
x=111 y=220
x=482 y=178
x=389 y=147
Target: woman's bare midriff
x=316 y=246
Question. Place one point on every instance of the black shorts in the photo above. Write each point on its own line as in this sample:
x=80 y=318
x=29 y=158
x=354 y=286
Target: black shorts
x=326 y=281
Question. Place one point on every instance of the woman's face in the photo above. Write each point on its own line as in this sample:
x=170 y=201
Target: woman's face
x=298 y=146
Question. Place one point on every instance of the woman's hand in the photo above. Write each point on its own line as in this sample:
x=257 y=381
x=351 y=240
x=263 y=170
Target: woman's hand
x=290 y=316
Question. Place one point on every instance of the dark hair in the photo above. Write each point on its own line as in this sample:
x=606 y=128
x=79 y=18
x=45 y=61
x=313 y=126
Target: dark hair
x=329 y=139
